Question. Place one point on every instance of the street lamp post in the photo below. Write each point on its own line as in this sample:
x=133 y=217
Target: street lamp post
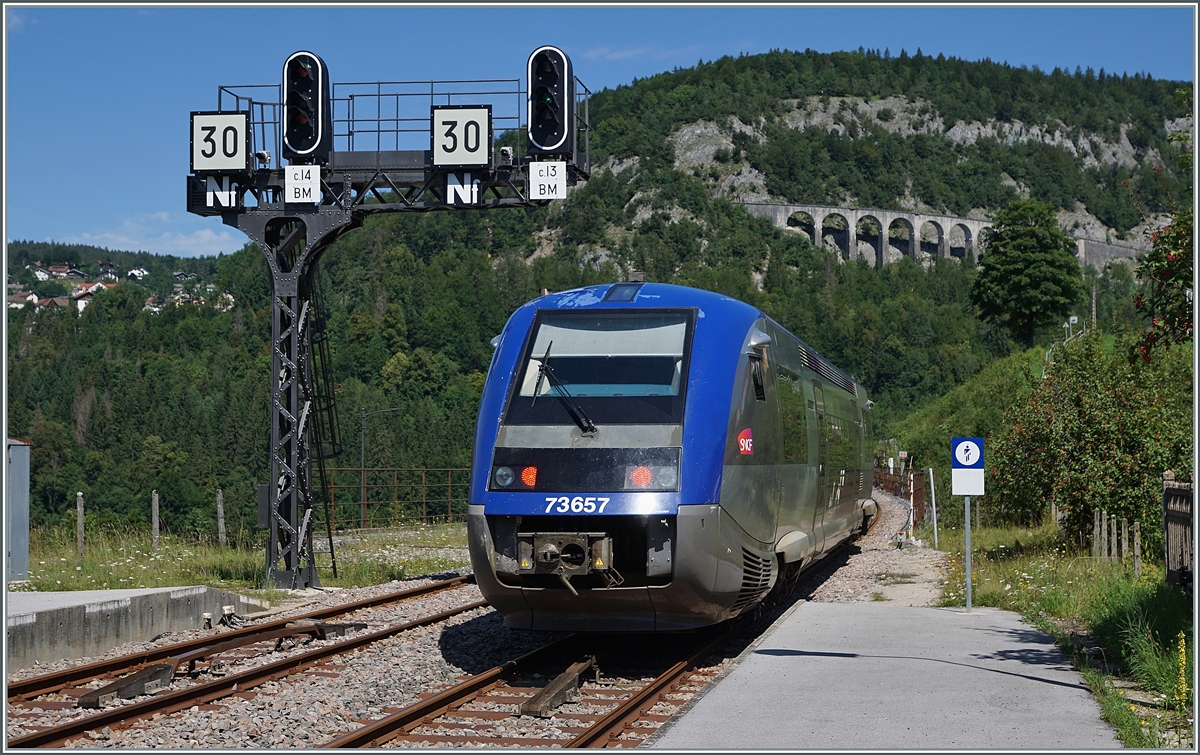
x=362 y=461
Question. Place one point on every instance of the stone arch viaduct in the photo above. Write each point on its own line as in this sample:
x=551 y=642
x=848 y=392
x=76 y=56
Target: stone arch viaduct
x=948 y=236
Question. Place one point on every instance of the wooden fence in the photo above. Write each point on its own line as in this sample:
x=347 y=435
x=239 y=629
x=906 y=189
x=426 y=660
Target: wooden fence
x=1177 y=502
x=910 y=486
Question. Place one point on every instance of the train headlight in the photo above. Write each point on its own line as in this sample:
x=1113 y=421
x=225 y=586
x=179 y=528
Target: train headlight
x=503 y=476
x=647 y=477
x=668 y=477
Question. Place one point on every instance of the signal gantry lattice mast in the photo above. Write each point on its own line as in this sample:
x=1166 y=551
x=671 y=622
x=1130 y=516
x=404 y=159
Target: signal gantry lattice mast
x=295 y=212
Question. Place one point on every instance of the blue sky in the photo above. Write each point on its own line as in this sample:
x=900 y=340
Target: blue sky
x=97 y=99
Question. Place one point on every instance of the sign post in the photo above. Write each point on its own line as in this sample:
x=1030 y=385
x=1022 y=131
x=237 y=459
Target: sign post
x=933 y=499
x=966 y=479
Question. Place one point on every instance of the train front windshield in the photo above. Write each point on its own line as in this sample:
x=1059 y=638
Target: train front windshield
x=620 y=367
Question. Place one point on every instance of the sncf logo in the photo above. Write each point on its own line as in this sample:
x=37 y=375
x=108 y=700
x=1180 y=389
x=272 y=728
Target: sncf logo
x=746 y=442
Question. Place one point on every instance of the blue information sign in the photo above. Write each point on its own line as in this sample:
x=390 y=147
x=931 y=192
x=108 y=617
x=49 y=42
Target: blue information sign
x=966 y=466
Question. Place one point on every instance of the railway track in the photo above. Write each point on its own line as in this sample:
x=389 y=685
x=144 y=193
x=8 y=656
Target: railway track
x=513 y=704
x=607 y=696
x=217 y=688
x=113 y=668
x=499 y=707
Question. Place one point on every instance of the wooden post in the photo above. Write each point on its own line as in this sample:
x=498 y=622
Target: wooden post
x=154 y=520
x=79 y=522
x=220 y=518
x=1095 y=533
x=1137 y=549
x=1112 y=553
x=1124 y=538
x=1103 y=535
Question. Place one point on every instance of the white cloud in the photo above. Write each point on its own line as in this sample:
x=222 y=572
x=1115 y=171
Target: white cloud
x=161 y=233
x=609 y=54
x=15 y=22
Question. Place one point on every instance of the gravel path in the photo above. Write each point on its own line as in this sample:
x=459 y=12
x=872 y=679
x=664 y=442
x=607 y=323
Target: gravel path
x=874 y=570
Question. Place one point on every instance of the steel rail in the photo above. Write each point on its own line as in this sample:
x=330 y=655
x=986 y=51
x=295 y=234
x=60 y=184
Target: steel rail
x=391 y=726
x=203 y=693
x=604 y=731
x=26 y=689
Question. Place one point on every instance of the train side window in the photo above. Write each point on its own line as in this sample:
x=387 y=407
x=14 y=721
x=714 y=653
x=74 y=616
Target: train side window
x=795 y=419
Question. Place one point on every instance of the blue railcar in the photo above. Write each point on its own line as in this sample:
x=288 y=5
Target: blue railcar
x=655 y=457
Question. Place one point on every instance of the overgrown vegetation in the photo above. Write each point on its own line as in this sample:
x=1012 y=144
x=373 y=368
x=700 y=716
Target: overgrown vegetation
x=1169 y=265
x=1143 y=626
x=1097 y=433
x=120 y=558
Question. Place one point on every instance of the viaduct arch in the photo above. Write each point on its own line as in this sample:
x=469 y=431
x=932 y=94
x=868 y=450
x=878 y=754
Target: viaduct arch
x=952 y=236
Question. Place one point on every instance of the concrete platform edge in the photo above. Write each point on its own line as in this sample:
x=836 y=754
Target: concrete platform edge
x=89 y=629
x=679 y=714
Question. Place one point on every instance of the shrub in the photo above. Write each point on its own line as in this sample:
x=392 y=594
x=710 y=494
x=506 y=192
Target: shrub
x=1097 y=433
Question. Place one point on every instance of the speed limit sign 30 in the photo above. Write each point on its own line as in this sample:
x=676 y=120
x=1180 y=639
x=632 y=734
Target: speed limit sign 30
x=461 y=136
x=220 y=143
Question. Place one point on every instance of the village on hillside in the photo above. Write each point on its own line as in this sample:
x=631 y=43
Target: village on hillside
x=82 y=287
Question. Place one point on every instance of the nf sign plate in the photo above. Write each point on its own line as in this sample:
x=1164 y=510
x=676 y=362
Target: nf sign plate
x=461 y=136
x=966 y=466
x=548 y=180
x=220 y=143
x=302 y=184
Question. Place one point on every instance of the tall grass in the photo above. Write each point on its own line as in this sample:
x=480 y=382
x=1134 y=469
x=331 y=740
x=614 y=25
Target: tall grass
x=121 y=558
x=118 y=558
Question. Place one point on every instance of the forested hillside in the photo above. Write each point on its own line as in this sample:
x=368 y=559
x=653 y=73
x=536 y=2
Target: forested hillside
x=120 y=400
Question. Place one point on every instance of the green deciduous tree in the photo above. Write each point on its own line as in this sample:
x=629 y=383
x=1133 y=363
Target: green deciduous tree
x=1098 y=432
x=1169 y=265
x=1029 y=276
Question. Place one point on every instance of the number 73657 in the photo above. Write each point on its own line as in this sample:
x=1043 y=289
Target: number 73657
x=577 y=505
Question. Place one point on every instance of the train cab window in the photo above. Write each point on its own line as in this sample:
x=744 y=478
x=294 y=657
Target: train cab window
x=620 y=366
x=756 y=376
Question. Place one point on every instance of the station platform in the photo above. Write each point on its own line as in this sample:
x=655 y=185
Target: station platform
x=885 y=677
x=51 y=626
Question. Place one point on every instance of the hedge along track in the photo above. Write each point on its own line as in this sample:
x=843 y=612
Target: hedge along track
x=499 y=707
x=27 y=689
x=198 y=694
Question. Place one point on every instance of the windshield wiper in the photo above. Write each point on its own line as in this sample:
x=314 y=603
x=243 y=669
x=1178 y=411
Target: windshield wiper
x=560 y=391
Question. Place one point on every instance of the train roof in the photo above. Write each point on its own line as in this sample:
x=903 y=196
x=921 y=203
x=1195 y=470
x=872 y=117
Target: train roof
x=644 y=295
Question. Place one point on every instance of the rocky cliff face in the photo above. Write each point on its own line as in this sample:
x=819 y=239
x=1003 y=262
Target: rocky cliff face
x=700 y=146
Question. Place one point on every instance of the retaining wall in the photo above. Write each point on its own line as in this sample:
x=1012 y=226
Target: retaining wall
x=50 y=627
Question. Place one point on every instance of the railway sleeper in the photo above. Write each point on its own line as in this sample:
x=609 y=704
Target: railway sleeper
x=564 y=688
x=145 y=682
x=151 y=679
